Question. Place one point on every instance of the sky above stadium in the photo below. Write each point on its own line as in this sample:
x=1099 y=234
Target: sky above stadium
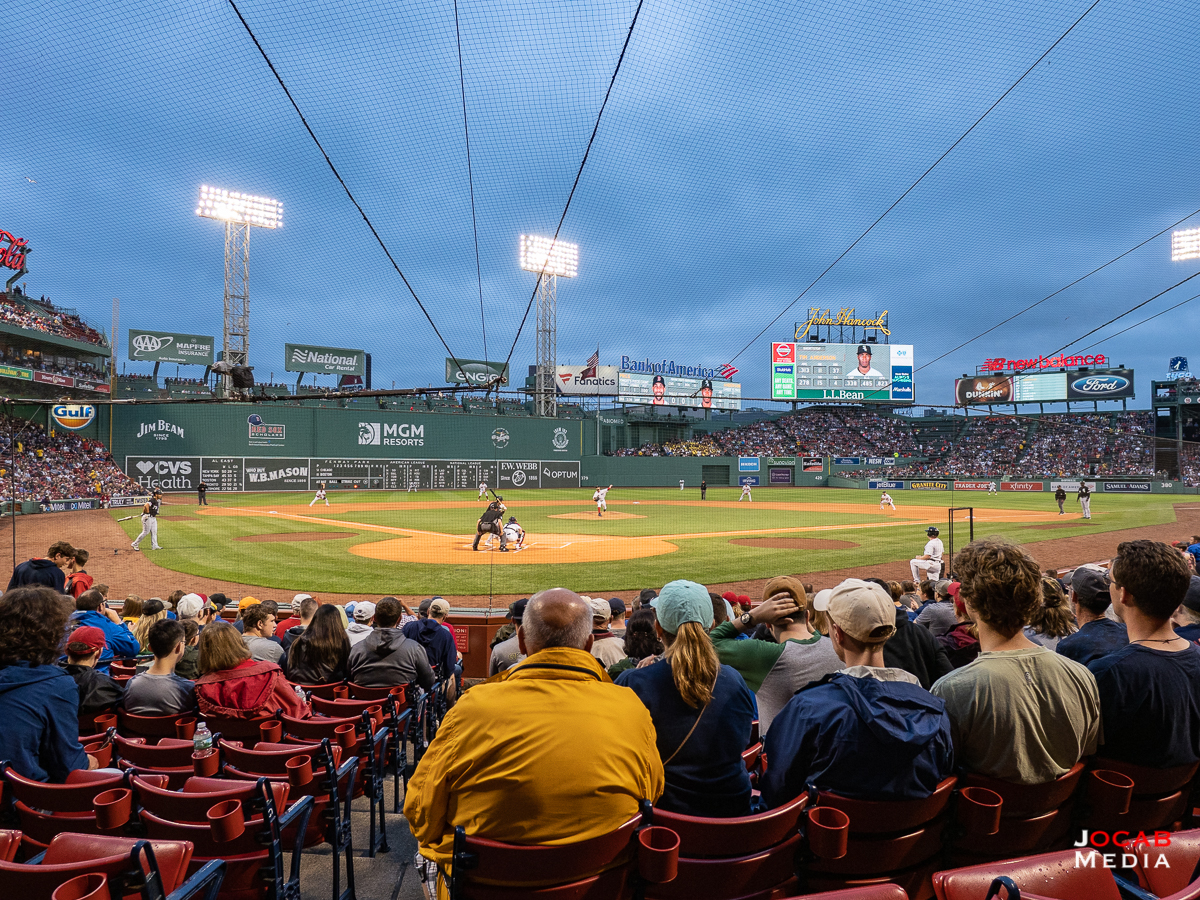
x=745 y=146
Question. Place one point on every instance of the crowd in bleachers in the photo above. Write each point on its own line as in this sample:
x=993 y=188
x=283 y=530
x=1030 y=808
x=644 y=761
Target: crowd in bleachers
x=48 y=319
x=989 y=444
x=57 y=466
x=879 y=694
x=59 y=365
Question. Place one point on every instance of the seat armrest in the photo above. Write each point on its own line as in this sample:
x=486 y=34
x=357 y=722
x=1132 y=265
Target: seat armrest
x=204 y=885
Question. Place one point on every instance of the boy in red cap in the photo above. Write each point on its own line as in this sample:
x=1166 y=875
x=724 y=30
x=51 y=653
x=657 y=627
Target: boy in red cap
x=97 y=691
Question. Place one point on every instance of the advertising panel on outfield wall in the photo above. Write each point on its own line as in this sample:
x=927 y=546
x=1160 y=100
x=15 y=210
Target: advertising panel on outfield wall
x=324 y=360
x=671 y=390
x=886 y=485
x=1125 y=487
x=475 y=371
x=570 y=380
x=1044 y=387
x=972 y=485
x=171 y=347
x=858 y=373
x=1024 y=486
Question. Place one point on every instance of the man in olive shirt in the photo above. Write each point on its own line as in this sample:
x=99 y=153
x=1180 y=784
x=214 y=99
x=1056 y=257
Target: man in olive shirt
x=1018 y=712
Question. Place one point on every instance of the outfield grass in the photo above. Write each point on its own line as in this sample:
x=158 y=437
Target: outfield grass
x=204 y=545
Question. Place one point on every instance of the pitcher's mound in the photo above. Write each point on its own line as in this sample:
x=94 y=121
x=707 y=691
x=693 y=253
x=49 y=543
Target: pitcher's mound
x=611 y=514
x=297 y=536
x=794 y=543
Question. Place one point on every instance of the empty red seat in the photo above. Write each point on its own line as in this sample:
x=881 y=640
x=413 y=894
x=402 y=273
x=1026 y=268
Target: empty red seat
x=45 y=810
x=1183 y=864
x=126 y=861
x=170 y=756
x=1053 y=875
x=151 y=727
x=885 y=891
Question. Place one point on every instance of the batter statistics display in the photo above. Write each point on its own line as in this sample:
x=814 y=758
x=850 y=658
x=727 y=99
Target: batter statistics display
x=670 y=390
x=853 y=373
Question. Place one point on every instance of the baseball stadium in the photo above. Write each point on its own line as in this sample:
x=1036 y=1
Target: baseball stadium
x=807 y=365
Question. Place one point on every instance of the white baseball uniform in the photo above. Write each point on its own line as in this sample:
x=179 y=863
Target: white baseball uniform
x=992 y=487
x=320 y=496
x=514 y=534
x=482 y=490
x=149 y=525
x=599 y=497
x=681 y=484
x=745 y=494
x=932 y=567
x=886 y=500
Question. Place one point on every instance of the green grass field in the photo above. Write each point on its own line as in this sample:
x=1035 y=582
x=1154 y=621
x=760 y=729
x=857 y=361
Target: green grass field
x=207 y=545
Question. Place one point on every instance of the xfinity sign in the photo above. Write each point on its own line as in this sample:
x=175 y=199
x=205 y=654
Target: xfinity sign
x=324 y=360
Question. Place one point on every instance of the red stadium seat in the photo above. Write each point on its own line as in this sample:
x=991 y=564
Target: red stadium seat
x=1160 y=797
x=900 y=841
x=255 y=857
x=151 y=727
x=323 y=691
x=396 y=717
x=1182 y=869
x=45 y=810
x=750 y=856
x=243 y=730
x=170 y=756
x=10 y=843
x=126 y=861
x=596 y=868
x=198 y=795
x=870 y=892
x=1052 y=875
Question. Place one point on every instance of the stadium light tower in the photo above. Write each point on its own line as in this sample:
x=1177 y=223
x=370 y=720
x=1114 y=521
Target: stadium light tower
x=240 y=212
x=1185 y=244
x=549 y=258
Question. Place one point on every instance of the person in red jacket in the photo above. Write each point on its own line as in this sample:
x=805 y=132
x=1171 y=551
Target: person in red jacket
x=78 y=580
x=233 y=685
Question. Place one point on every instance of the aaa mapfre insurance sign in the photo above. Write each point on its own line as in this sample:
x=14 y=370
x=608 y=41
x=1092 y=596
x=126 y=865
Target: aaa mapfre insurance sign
x=1021 y=486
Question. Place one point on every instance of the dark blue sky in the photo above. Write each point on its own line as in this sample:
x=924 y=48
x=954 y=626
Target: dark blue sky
x=746 y=144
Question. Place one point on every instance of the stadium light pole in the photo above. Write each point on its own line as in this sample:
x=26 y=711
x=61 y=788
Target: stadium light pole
x=1185 y=245
x=550 y=259
x=240 y=212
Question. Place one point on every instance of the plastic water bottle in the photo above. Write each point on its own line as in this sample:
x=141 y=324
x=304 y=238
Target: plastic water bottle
x=202 y=741
x=300 y=694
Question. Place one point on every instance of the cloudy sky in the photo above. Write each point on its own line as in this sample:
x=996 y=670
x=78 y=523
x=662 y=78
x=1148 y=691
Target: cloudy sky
x=745 y=145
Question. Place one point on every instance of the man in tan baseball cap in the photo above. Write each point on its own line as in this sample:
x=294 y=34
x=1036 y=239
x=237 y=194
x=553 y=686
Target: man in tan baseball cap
x=869 y=731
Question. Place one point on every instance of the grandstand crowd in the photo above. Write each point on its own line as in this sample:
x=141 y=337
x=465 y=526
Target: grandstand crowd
x=37 y=465
x=867 y=689
x=41 y=315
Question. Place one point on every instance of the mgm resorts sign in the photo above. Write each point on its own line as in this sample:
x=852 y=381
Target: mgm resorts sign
x=845 y=318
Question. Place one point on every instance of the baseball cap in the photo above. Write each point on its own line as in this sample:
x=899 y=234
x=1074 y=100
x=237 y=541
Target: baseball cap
x=298 y=599
x=247 y=601
x=863 y=348
x=364 y=611
x=517 y=610
x=219 y=600
x=942 y=588
x=189 y=606
x=863 y=610
x=786 y=584
x=744 y=599
x=1089 y=583
x=617 y=606
x=1192 y=598
x=600 y=607
x=821 y=600
x=730 y=597
x=680 y=602
x=439 y=606
x=350 y=607
x=86 y=640
x=952 y=589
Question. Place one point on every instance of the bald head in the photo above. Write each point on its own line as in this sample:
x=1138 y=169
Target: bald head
x=556 y=617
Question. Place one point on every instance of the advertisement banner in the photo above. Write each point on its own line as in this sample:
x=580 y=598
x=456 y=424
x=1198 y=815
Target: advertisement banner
x=16 y=372
x=874 y=460
x=990 y=389
x=1071 y=487
x=324 y=360
x=846 y=460
x=886 y=485
x=780 y=460
x=752 y=480
x=780 y=476
x=98 y=386
x=971 y=485
x=519 y=474
x=54 y=378
x=69 y=505
x=164 y=473
x=875 y=373
x=475 y=371
x=747 y=463
x=560 y=473
x=1126 y=487
x=927 y=486
x=115 y=502
x=171 y=347
x=275 y=474
x=1025 y=486
x=1114 y=384
x=570 y=380
x=814 y=464
x=671 y=390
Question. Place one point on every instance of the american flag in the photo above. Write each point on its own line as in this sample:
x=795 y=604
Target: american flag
x=728 y=371
x=591 y=366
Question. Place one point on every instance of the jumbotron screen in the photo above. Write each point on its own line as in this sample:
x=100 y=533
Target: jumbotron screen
x=671 y=390
x=851 y=373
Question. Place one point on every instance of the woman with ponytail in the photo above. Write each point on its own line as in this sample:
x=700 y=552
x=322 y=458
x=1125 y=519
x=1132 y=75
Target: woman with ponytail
x=702 y=710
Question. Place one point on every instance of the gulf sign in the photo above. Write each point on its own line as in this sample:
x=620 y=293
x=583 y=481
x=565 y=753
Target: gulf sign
x=73 y=416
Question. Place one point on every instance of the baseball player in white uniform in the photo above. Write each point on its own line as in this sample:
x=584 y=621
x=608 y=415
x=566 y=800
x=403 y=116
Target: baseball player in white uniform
x=320 y=496
x=1085 y=499
x=149 y=522
x=514 y=534
x=991 y=487
x=746 y=493
x=681 y=484
x=931 y=562
x=601 y=502
x=885 y=499
x=482 y=491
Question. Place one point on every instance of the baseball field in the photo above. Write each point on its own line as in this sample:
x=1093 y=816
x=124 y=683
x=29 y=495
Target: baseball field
x=412 y=544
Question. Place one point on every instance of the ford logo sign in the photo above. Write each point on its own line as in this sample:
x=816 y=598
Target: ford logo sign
x=1100 y=384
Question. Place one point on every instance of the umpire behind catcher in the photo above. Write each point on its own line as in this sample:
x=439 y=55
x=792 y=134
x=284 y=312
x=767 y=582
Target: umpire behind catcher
x=489 y=523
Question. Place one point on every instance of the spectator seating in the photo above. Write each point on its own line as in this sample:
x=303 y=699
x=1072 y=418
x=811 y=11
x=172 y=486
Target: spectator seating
x=1183 y=865
x=44 y=810
x=1159 y=798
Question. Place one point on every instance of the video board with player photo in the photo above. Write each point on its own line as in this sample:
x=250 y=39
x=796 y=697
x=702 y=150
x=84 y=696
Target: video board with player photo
x=857 y=373
x=670 y=390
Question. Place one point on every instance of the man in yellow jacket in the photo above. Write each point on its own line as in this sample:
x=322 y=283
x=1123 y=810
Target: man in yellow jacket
x=548 y=752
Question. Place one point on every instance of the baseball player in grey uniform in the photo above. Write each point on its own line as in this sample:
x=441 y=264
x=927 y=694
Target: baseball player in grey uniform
x=149 y=522
x=1085 y=499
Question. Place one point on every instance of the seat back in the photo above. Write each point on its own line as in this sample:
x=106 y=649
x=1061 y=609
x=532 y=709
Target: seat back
x=491 y=868
x=124 y=860
x=1029 y=800
x=169 y=752
x=362 y=692
x=72 y=797
x=1148 y=781
x=152 y=727
x=887 y=816
x=885 y=891
x=10 y=843
x=1048 y=874
x=1183 y=864
x=703 y=838
x=323 y=691
x=271 y=759
x=200 y=794
x=244 y=730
